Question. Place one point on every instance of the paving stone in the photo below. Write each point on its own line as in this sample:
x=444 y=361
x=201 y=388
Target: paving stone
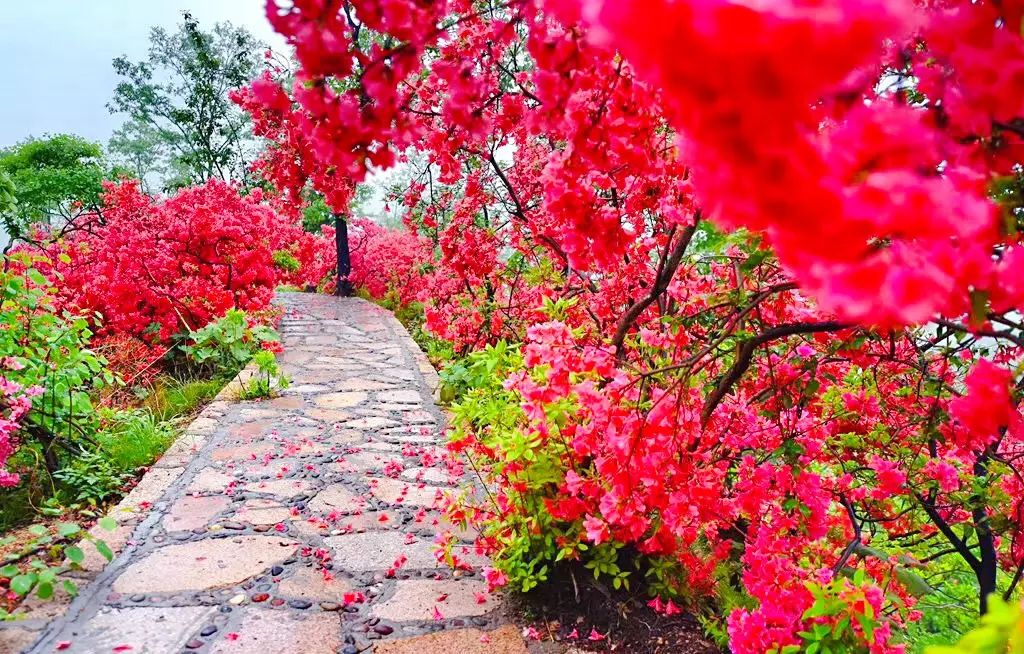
x=147 y=630
x=309 y=583
x=362 y=384
x=266 y=631
x=436 y=476
x=286 y=402
x=335 y=498
x=203 y=564
x=342 y=400
x=328 y=415
x=378 y=550
x=15 y=641
x=361 y=461
x=371 y=422
x=243 y=452
x=416 y=599
x=183 y=449
x=210 y=480
x=193 y=512
x=282 y=488
x=400 y=397
x=505 y=640
x=150 y=489
x=262 y=512
x=395 y=491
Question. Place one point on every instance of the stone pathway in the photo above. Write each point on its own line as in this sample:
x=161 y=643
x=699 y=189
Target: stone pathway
x=299 y=525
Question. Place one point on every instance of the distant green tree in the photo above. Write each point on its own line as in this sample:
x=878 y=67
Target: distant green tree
x=180 y=93
x=138 y=148
x=54 y=178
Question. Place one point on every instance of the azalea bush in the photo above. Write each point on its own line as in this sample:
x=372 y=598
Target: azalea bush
x=156 y=267
x=764 y=291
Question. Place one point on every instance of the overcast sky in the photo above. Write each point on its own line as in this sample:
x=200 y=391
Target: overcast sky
x=55 y=57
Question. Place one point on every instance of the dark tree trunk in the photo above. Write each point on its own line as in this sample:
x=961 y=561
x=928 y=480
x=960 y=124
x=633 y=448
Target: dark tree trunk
x=344 y=286
x=988 y=567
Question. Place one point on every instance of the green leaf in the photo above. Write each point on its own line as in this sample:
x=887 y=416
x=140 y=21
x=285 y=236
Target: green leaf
x=74 y=554
x=68 y=528
x=44 y=590
x=104 y=550
x=22 y=584
x=107 y=523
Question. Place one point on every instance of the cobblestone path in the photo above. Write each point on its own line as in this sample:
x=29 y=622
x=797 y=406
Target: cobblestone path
x=264 y=527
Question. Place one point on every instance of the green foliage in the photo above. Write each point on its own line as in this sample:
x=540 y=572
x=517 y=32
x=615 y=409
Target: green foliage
x=51 y=352
x=134 y=438
x=90 y=479
x=224 y=347
x=38 y=567
x=843 y=607
x=316 y=214
x=286 y=261
x=1000 y=631
x=137 y=147
x=179 y=95
x=53 y=178
x=529 y=540
x=172 y=398
x=267 y=378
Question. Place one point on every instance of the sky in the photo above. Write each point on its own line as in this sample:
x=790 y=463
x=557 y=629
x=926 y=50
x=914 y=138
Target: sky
x=55 y=57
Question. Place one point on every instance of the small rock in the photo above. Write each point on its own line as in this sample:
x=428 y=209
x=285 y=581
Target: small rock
x=237 y=599
x=300 y=604
x=277 y=601
x=231 y=524
x=350 y=649
x=330 y=606
x=276 y=570
x=260 y=597
x=208 y=630
x=137 y=598
x=195 y=643
x=384 y=629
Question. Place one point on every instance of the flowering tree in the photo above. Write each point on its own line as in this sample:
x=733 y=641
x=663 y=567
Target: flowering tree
x=763 y=260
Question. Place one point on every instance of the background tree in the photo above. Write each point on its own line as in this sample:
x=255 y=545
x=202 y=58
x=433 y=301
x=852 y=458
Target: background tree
x=180 y=93
x=54 y=179
x=138 y=147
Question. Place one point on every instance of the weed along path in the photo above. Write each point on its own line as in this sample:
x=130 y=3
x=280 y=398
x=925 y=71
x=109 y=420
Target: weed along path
x=303 y=524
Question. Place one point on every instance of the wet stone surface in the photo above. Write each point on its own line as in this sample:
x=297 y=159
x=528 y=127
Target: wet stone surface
x=300 y=524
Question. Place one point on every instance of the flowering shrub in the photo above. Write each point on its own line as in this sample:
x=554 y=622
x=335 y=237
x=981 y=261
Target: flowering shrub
x=49 y=374
x=766 y=292
x=156 y=267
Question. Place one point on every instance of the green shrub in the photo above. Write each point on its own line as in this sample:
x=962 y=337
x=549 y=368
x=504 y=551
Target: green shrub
x=286 y=261
x=266 y=380
x=1000 y=631
x=90 y=479
x=224 y=347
